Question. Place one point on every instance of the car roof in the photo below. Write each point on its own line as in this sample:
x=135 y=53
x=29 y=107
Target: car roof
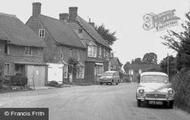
x=110 y=71
x=153 y=73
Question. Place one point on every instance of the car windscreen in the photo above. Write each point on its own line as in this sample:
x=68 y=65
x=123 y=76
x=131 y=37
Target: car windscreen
x=107 y=74
x=154 y=79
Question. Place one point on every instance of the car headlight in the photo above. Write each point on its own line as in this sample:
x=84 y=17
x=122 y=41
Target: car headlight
x=171 y=92
x=141 y=91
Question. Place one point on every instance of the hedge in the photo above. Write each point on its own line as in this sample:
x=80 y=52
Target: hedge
x=181 y=85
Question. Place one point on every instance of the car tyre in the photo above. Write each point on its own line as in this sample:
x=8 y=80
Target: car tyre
x=139 y=104
x=171 y=104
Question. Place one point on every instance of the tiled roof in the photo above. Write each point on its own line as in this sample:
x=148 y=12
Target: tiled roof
x=15 y=31
x=61 y=32
x=92 y=32
x=115 y=61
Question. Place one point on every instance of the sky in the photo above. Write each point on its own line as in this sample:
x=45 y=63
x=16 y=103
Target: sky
x=123 y=16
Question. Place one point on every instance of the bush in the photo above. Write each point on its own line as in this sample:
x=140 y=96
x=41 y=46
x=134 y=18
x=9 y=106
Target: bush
x=18 y=80
x=1 y=82
x=181 y=85
x=53 y=84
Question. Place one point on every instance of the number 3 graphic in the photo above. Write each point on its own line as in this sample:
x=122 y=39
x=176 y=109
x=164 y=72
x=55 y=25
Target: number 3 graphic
x=148 y=22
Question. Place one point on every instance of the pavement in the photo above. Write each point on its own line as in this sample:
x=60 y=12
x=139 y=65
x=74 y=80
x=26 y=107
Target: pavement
x=115 y=102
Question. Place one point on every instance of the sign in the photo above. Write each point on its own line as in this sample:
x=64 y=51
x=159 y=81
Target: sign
x=160 y=21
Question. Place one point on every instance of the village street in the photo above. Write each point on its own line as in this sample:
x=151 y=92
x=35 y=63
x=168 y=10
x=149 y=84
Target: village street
x=91 y=103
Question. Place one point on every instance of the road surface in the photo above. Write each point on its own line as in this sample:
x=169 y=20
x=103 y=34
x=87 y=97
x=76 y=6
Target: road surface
x=91 y=103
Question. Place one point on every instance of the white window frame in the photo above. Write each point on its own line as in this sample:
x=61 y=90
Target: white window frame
x=42 y=33
x=92 y=51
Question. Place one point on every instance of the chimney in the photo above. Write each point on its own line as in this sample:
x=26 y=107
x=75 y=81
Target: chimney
x=91 y=23
x=36 y=8
x=72 y=13
x=64 y=17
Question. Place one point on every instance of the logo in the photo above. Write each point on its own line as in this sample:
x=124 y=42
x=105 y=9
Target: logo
x=160 y=21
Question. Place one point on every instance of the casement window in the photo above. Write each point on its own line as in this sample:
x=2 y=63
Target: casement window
x=78 y=55
x=42 y=33
x=80 y=73
x=99 y=69
x=28 y=50
x=92 y=50
x=100 y=52
x=7 y=69
x=7 y=49
x=70 y=52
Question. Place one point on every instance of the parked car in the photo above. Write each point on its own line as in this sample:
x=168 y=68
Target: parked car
x=110 y=77
x=154 y=88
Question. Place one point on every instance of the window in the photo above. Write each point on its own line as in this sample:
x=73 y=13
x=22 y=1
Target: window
x=92 y=51
x=42 y=33
x=7 y=69
x=99 y=69
x=80 y=30
x=28 y=51
x=104 y=52
x=100 y=52
x=70 y=52
x=7 y=49
x=78 y=55
x=61 y=55
x=65 y=70
x=80 y=73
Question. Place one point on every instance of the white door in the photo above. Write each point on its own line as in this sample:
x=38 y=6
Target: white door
x=55 y=72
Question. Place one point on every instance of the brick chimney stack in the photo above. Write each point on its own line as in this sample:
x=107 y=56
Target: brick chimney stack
x=73 y=13
x=36 y=8
x=64 y=17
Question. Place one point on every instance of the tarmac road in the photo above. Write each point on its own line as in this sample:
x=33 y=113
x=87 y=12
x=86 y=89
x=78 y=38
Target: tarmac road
x=115 y=102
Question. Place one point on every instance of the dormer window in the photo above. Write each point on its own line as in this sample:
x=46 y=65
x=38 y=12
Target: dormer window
x=42 y=33
x=80 y=30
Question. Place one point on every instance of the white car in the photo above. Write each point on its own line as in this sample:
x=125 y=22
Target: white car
x=154 y=88
x=110 y=77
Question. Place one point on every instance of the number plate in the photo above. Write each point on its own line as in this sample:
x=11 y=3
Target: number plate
x=156 y=102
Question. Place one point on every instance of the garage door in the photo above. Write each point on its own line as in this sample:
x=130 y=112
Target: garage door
x=36 y=75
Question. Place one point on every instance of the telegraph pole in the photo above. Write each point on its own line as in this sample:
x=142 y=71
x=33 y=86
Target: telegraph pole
x=168 y=66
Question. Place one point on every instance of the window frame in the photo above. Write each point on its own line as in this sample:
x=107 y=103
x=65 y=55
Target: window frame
x=42 y=33
x=28 y=50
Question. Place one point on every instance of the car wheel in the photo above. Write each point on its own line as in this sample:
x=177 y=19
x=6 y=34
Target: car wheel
x=101 y=83
x=171 y=104
x=116 y=83
x=139 y=104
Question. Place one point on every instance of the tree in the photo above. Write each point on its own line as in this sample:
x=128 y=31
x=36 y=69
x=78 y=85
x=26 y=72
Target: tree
x=137 y=61
x=126 y=66
x=150 y=58
x=180 y=42
x=72 y=66
x=168 y=63
x=106 y=34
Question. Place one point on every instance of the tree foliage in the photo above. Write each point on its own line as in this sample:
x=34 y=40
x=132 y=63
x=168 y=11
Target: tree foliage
x=150 y=58
x=106 y=34
x=180 y=42
x=72 y=65
x=168 y=62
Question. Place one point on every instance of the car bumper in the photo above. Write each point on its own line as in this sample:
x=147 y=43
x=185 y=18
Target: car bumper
x=144 y=98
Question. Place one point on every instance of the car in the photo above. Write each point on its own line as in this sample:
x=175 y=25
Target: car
x=154 y=88
x=110 y=77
